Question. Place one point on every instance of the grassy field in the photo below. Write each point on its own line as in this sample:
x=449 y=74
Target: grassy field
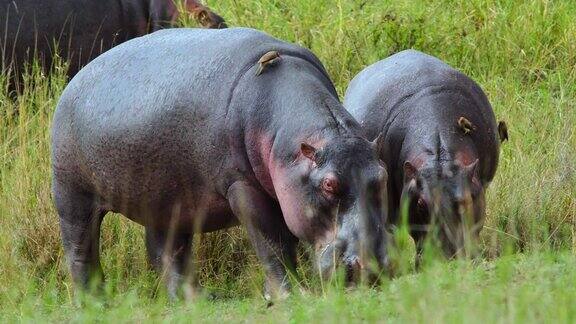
x=523 y=53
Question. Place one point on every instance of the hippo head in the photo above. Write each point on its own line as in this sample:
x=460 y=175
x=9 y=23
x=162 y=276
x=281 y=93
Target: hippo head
x=206 y=17
x=335 y=198
x=450 y=196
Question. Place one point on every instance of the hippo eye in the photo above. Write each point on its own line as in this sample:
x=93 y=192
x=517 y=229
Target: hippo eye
x=418 y=183
x=421 y=204
x=330 y=185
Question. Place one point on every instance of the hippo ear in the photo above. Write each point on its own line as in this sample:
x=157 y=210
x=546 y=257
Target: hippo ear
x=203 y=17
x=502 y=131
x=409 y=171
x=378 y=144
x=472 y=170
x=308 y=151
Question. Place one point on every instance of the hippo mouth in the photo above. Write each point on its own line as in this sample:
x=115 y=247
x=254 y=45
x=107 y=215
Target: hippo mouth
x=332 y=257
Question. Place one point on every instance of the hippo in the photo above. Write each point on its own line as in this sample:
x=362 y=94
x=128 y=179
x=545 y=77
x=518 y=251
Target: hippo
x=194 y=130
x=82 y=29
x=440 y=144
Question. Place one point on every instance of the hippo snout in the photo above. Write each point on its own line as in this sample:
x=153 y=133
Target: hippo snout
x=327 y=258
x=357 y=268
x=460 y=245
x=354 y=269
x=365 y=269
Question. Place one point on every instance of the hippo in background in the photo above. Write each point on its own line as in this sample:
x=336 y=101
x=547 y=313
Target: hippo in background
x=440 y=145
x=82 y=29
x=193 y=130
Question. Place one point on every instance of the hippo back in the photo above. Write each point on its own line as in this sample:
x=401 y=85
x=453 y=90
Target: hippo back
x=415 y=93
x=146 y=75
x=389 y=82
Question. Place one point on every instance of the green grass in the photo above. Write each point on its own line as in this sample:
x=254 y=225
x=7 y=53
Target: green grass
x=523 y=53
x=536 y=288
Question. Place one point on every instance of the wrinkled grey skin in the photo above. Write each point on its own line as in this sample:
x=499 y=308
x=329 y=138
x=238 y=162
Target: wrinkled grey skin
x=82 y=29
x=175 y=131
x=415 y=101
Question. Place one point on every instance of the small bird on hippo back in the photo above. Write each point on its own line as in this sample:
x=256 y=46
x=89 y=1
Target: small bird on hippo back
x=266 y=60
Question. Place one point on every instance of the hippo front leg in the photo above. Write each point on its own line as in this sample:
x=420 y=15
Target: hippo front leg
x=274 y=243
x=169 y=253
x=419 y=240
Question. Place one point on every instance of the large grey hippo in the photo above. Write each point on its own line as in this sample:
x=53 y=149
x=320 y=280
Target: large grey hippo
x=195 y=130
x=440 y=143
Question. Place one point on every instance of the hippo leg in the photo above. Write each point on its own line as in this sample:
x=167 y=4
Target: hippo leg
x=274 y=243
x=80 y=220
x=169 y=253
x=419 y=239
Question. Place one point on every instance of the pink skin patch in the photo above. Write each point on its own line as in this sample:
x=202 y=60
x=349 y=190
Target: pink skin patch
x=464 y=158
x=417 y=161
x=298 y=215
x=172 y=10
x=262 y=142
x=300 y=218
x=193 y=6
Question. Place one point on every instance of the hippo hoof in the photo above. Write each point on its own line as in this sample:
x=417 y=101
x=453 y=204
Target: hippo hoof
x=272 y=295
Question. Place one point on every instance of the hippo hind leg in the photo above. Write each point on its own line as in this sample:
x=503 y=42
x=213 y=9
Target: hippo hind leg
x=169 y=252
x=80 y=220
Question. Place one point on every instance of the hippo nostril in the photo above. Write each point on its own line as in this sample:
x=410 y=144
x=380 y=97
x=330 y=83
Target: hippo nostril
x=358 y=264
x=353 y=269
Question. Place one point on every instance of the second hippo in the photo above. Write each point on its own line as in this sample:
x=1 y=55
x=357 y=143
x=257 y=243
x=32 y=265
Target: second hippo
x=440 y=143
x=80 y=30
x=194 y=130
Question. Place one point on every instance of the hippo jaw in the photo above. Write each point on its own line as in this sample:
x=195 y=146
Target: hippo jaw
x=360 y=247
